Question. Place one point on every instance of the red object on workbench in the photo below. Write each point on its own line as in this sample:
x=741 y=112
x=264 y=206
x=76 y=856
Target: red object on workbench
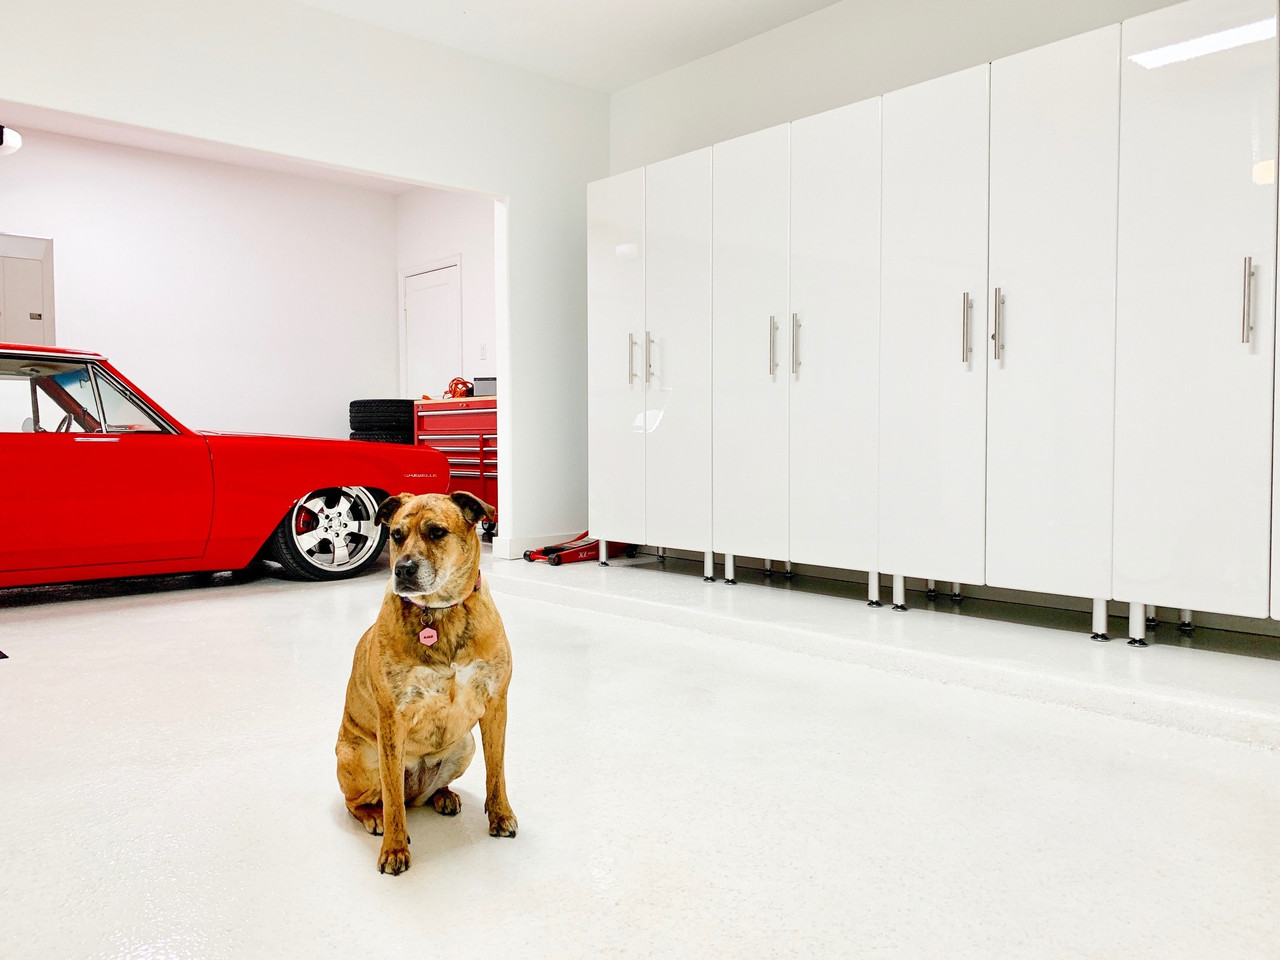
x=466 y=432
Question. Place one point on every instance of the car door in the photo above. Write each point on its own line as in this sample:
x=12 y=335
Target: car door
x=93 y=477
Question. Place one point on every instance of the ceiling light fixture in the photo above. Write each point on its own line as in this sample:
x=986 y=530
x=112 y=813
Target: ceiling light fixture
x=10 y=140
x=1209 y=43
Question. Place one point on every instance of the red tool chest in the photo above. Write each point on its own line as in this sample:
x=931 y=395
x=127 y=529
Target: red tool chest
x=465 y=431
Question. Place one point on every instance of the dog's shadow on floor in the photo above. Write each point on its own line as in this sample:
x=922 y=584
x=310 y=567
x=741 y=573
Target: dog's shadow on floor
x=432 y=836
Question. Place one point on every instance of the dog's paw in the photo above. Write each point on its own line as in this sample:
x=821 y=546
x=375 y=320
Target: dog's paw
x=502 y=824
x=446 y=802
x=393 y=859
x=370 y=815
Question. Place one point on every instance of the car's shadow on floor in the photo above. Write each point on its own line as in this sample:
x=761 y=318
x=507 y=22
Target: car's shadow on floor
x=261 y=571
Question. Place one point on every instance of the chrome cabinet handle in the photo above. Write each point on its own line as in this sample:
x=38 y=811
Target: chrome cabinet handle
x=966 y=344
x=631 y=359
x=648 y=362
x=795 y=344
x=997 y=335
x=1246 y=314
x=773 y=345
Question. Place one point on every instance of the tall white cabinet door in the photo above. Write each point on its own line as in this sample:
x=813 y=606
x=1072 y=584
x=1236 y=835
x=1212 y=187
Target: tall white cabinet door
x=933 y=390
x=1193 y=401
x=835 y=302
x=750 y=337
x=678 y=310
x=1055 y=115
x=615 y=357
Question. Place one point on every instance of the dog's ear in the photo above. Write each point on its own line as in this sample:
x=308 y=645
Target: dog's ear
x=387 y=509
x=473 y=508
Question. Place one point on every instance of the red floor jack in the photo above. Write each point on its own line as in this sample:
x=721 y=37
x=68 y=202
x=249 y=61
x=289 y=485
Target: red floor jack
x=580 y=548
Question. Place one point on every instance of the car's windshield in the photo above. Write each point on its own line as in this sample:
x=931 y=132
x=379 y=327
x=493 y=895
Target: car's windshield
x=40 y=395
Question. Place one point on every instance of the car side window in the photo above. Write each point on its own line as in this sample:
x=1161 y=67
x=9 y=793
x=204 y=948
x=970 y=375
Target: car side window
x=15 y=405
x=39 y=395
x=122 y=414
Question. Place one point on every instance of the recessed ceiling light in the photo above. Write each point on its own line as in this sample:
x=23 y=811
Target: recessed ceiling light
x=1209 y=43
x=10 y=140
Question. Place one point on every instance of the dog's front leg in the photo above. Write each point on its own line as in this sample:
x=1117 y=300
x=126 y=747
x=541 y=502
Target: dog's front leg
x=394 y=856
x=493 y=734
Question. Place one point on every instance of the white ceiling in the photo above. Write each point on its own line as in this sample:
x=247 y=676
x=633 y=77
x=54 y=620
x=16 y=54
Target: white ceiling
x=602 y=44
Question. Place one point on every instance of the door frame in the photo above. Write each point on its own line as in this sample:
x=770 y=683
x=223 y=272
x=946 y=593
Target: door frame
x=402 y=324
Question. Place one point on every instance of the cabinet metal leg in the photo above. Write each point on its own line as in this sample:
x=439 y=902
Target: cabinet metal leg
x=873 y=589
x=728 y=569
x=787 y=573
x=899 y=592
x=931 y=589
x=662 y=554
x=604 y=553
x=956 y=595
x=768 y=568
x=1137 y=625
x=709 y=567
x=1185 y=625
x=1100 y=620
x=1151 y=616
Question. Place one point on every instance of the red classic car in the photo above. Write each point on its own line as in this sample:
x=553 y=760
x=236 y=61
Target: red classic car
x=97 y=481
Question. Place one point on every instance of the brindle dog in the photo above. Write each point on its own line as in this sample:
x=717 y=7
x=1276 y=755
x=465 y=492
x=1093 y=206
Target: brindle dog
x=435 y=661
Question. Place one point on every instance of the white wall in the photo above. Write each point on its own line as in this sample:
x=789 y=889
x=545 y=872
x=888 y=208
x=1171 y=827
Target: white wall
x=842 y=54
x=238 y=299
x=279 y=77
x=433 y=225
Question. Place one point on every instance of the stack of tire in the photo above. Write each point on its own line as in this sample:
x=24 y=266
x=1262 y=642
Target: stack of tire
x=382 y=421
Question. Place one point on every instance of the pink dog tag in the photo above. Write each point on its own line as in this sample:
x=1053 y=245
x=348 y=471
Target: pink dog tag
x=428 y=636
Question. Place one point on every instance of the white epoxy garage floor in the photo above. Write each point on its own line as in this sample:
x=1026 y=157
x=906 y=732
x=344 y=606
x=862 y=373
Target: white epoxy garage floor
x=168 y=790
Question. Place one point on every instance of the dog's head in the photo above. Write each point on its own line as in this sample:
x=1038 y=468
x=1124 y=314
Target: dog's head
x=433 y=541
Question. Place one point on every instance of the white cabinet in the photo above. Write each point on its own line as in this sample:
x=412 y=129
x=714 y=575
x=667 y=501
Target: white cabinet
x=23 y=314
x=615 y=348
x=1055 y=115
x=750 y=344
x=678 y=312
x=1193 y=387
x=835 y=303
x=933 y=388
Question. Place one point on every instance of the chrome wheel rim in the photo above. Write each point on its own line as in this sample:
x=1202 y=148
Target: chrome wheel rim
x=334 y=529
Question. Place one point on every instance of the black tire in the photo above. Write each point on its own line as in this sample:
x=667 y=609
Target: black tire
x=383 y=436
x=295 y=560
x=528 y=555
x=381 y=416
x=384 y=424
x=381 y=408
x=555 y=559
x=632 y=550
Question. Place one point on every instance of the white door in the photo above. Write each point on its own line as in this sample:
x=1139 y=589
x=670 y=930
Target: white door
x=678 y=314
x=1055 y=115
x=1193 y=399
x=933 y=386
x=615 y=357
x=433 y=332
x=835 y=304
x=750 y=344
x=22 y=307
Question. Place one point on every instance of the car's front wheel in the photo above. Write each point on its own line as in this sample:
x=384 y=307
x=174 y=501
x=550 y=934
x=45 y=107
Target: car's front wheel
x=329 y=534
